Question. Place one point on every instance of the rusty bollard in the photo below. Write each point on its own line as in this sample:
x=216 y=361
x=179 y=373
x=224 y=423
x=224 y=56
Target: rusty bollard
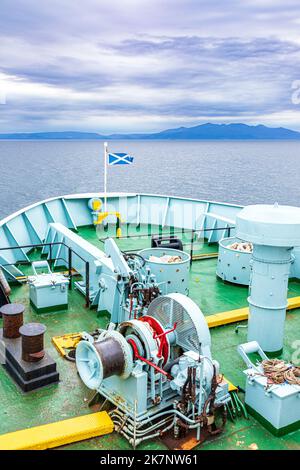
x=33 y=342
x=12 y=315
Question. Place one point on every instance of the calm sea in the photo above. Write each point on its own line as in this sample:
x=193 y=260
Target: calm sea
x=241 y=172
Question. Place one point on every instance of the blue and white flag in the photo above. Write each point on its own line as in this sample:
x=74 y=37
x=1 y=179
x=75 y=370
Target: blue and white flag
x=119 y=159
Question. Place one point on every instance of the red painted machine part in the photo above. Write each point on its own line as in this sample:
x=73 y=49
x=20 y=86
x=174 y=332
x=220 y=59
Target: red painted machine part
x=164 y=334
x=151 y=364
x=159 y=334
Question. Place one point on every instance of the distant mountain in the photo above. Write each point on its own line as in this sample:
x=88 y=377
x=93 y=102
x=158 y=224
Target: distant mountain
x=67 y=135
x=227 y=131
x=202 y=132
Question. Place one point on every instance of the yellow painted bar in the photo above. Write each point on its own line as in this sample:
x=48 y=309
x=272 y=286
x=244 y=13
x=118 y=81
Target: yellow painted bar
x=200 y=256
x=293 y=302
x=59 y=433
x=240 y=314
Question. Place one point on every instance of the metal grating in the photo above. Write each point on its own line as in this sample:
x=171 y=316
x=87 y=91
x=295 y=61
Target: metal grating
x=168 y=311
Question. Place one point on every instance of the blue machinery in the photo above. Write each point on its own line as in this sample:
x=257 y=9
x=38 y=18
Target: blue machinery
x=154 y=361
x=156 y=370
x=157 y=366
x=64 y=239
x=121 y=284
x=233 y=265
x=173 y=277
x=274 y=231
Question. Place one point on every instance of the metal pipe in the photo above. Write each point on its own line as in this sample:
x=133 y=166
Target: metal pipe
x=40 y=245
x=200 y=397
x=124 y=431
x=134 y=430
x=70 y=267
x=50 y=256
x=152 y=384
x=87 y=284
x=130 y=426
x=164 y=413
x=143 y=235
x=192 y=247
x=151 y=436
x=149 y=363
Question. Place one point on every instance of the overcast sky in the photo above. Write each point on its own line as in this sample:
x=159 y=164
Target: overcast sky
x=146 y=65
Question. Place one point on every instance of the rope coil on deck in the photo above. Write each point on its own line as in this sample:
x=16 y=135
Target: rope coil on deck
x=278 y=371
x=292 y=376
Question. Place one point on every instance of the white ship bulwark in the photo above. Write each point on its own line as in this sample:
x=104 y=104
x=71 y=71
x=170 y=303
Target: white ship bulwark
x=29 y=226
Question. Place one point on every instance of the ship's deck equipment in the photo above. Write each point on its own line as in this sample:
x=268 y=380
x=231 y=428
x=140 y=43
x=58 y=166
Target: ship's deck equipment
x=274 y=231
x=158 y=241
x=47 y=290
x=211 y=294
x=157 y=368
x=67 y=342
x=234 y=263
x=171 y=276
x=86 y=254
x=272 y=399
x=23 y=350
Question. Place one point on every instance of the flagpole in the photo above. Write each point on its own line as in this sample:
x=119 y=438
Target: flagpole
x=105 y=176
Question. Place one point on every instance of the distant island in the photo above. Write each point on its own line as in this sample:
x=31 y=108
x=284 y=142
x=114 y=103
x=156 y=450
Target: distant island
x=201 y=132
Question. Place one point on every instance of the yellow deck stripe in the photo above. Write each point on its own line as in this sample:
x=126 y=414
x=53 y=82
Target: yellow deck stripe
x=231 y=387
x=232 y=316
x=200 y=256
x=59 y=433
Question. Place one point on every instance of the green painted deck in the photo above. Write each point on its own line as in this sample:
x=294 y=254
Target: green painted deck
x=69 y=398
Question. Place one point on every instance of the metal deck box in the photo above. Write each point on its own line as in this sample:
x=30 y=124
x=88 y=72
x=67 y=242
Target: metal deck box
x=48 y=291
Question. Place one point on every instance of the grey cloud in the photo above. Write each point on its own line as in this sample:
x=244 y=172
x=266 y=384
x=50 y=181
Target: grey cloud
x=243 y=59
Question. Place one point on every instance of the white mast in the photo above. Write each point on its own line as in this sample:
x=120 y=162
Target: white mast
x=105 y=176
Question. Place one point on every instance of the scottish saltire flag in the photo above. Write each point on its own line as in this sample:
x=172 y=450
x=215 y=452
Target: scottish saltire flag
x=119 y=159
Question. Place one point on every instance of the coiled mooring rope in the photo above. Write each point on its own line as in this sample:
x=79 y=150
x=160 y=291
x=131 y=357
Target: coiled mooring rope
x=278 y=371
x=292 y=376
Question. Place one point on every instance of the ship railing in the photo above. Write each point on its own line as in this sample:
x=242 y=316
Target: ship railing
x=195 y=234
x=68 y=262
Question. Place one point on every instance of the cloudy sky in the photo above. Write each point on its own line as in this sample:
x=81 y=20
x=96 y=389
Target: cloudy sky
x=146 y=65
